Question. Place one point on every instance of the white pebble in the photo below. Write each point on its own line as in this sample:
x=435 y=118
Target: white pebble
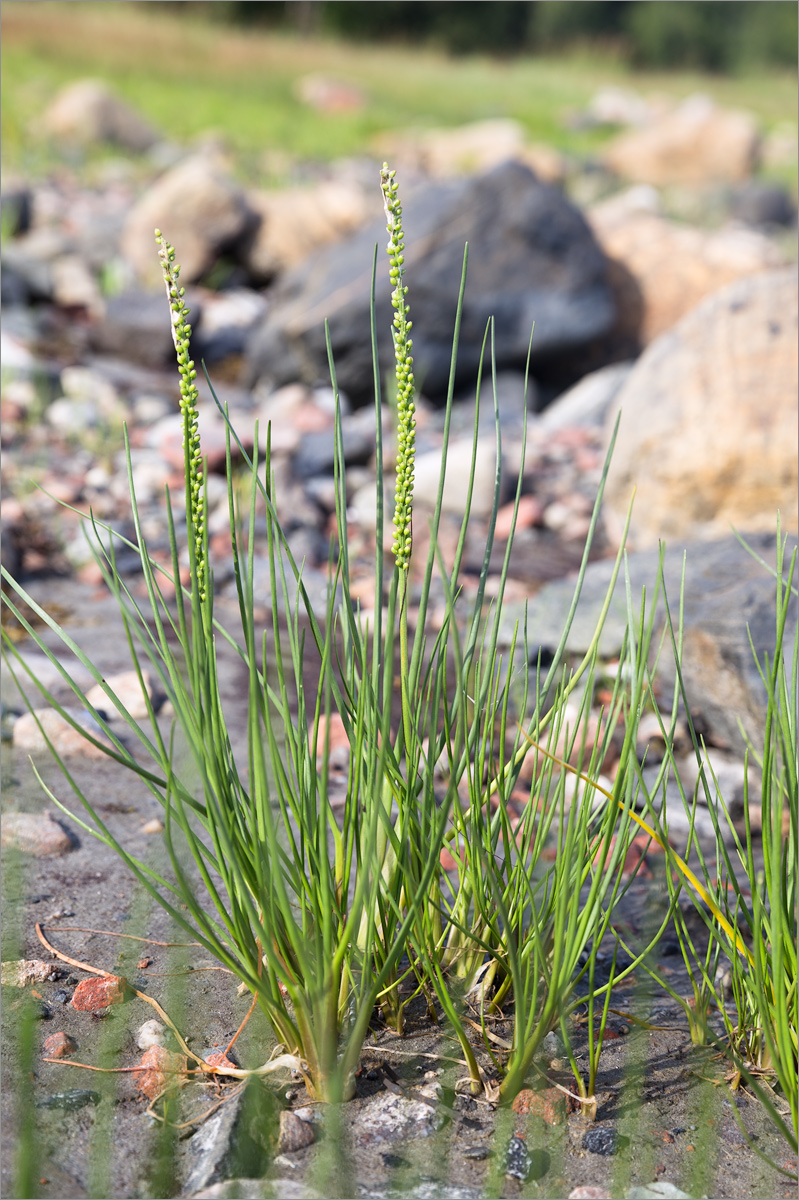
x=151 y=1034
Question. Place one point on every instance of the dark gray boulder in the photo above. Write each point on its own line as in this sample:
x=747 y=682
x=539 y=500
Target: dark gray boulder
x=532 y=258
x=728 y=597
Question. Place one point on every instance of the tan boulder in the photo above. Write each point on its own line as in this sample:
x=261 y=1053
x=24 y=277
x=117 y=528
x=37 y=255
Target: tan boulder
x=695 y=143
x=200 y=210
x=471 y=149
x=673 y=266
x=709 y=419
x=88 y=112
x=297 y=221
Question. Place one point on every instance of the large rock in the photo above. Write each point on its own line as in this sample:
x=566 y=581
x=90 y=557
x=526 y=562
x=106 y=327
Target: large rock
x=709 y=419
x=673 y=266
x=696 y=143
x=470 y=149
x=297 y=221
x=531 y=259
x=728 y=596
x=135 y=325
x=200 y=210
x=38 y=834
x=89 y=113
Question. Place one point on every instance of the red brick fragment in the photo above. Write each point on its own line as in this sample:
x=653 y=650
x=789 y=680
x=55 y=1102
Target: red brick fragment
x=549 y=1105
x=91 y=994
x=162 y=1069
x=58 y=1045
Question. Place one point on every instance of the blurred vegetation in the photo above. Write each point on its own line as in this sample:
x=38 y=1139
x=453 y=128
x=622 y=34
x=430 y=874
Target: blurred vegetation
x=190 y=68
x=714 y=35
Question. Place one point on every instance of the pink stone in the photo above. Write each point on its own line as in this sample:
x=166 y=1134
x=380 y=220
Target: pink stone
x=161 y=1068
x=92 y=994
x=58 y=1045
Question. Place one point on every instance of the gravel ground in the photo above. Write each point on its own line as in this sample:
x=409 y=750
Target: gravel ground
x=663 y=1107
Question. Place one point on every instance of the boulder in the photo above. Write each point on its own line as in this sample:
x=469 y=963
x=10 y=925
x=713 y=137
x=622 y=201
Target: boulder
x=613 y=105
x=88 y=112
x=38 y=834
x=201 y=211
x=728 y=596
x=16 y=204
x=470 y=149
x=672 y=266
x=709 y=419
x=763 y=205
x=586 y=404
x=695 y=143
x=532 y=258
x=297 y=221
x=135 y=325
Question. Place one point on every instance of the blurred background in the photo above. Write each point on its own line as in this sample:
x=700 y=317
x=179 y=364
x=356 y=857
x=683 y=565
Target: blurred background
x=613 y=165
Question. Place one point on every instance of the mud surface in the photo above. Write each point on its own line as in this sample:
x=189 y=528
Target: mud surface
x=86 y=1133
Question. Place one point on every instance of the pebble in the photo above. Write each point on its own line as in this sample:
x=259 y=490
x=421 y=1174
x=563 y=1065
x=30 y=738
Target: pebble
x=92 y=994
x=218 y=1058
x=477 y=1153
x=161 y=1068
x=58 y=1045
x=549 y=1105
x=31 y=728
x=127 y=687
x=70 y=1100
x=314 y=1116
x=38 y=834
x=518 y=1161
x=387 y=1118
x=601 y=1140
x=253 y=1189
x=19 y=972
x=151 y=1033
x=662 y=1190
x=589 y=1193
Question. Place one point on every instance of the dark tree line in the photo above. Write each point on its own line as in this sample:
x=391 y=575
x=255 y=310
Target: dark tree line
x=719 y=35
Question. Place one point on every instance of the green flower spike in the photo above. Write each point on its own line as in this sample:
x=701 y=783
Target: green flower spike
x=406 y=387
x=181 y=335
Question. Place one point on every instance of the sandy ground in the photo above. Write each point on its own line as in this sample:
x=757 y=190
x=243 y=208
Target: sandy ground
x=670 y=1107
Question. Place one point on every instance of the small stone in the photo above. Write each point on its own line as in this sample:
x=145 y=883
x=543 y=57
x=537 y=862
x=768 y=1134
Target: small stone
x=662 y=1190
x=38 y=834
x=58 y=1045
x=601 y=1140
x=394 y=1161
x=19 y=972
x=92 y=994
x=589 y=1193
x=387 y=1118
x=254 y=1189
x=127 y=688
x=518 y=1162
x=477 y=1153
x=219 y=1059
x=154 y=826
x=33 y=730
x=162 y=1066
x=150 y=1034
x=314 y=1116
x=548 y=1104
x=70 y=1100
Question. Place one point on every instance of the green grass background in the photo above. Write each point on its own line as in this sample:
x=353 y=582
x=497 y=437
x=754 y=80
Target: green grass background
x=187 y=76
